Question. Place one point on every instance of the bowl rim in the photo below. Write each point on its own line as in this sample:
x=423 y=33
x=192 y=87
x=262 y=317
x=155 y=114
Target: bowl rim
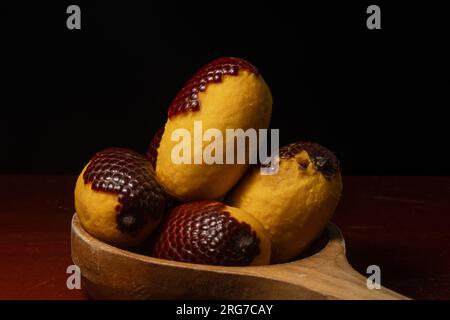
x=334 y=234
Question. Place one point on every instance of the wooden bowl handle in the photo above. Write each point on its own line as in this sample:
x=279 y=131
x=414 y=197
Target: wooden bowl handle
x=328 y=274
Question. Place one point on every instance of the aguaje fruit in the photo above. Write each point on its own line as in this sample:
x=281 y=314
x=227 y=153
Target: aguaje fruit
x=295 y=204
x=209 y=232
x=117 y=197
x=228 y=93
x=152 y=152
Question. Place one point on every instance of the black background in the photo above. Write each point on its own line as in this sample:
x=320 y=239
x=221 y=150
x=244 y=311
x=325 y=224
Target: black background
x=378 y=98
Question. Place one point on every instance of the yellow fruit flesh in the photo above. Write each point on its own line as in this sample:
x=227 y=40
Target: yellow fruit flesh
x=242 y=101
x=97 y=214
x=293 y=205
x=265 y=249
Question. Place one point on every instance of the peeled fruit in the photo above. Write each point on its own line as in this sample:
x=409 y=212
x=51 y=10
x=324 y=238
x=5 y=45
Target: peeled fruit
x=117 y=197
x=295 y=204
x=228 y=93
x=209 y=232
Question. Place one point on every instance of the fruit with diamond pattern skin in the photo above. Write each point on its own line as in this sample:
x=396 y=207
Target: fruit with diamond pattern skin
x=117 y=197
x=295 y=204
x=228 y=93
x=209 y=232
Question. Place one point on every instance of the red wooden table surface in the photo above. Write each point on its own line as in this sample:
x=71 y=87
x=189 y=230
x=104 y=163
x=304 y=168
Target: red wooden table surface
x=401 y=224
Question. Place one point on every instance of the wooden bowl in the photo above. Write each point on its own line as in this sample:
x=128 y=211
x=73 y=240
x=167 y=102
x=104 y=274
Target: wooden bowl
x=112 y=273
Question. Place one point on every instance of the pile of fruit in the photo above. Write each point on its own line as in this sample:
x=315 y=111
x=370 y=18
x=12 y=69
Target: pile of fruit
x=217 y=214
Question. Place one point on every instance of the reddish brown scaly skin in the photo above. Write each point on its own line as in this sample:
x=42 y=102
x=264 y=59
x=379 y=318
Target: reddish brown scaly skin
x=130 y=175
x=152 y=153
x=204 y=232
x=187 y=99
x=323 y=159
